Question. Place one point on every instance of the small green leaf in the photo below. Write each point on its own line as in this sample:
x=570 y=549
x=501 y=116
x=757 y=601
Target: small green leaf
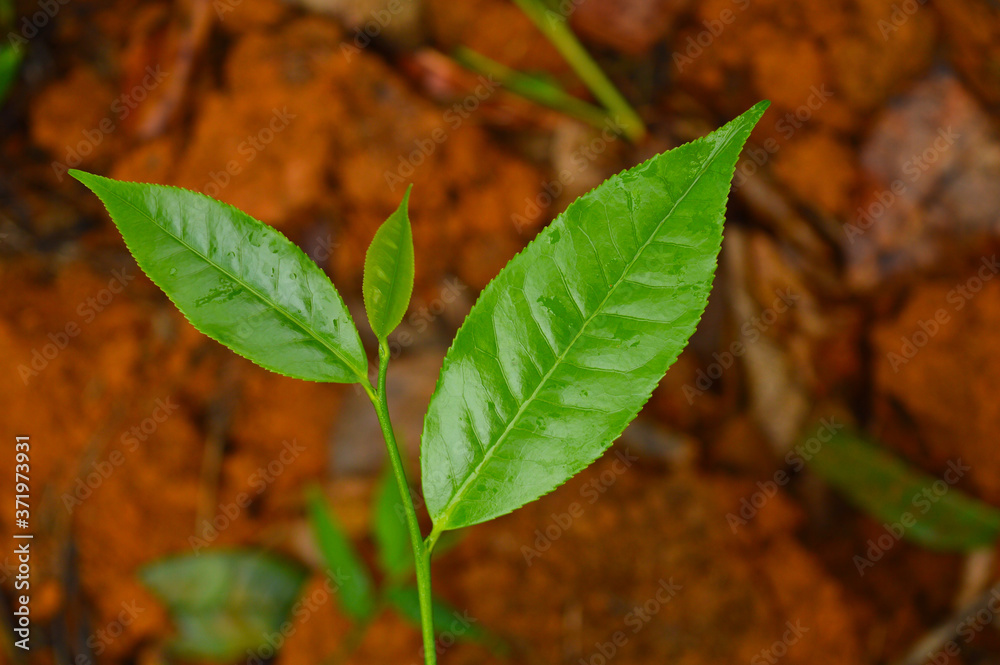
x=224 y=603
x=237 y=280
x=929 y=510
x=566 y=344
x=447 y=619
x=354 y=585
x=391 y=534
x=388 y=279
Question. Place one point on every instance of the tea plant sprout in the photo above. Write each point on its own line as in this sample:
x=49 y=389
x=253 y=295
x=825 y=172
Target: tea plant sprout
x=558 y=355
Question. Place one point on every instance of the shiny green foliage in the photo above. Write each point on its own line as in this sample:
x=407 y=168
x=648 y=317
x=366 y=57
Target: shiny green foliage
x=237 y=280
x=564 y=347
x=388 y=278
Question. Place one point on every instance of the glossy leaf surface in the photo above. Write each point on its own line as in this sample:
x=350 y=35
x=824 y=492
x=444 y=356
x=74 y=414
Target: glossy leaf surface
x=394 y=552
x=388 y=279
x=224 y=603
x=929 y=510
x=564 y=347
x=237 y=280
x=355 y=590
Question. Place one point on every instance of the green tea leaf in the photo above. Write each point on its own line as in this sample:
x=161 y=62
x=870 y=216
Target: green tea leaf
x=224 y=603
x=388 y=279
x=929 y=510
x=237 y=280
x=391 y=534
x=354 y=585
x=446 y=618
x=564 y=347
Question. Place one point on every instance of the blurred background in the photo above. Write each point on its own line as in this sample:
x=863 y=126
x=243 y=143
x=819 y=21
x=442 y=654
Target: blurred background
x=815 y=481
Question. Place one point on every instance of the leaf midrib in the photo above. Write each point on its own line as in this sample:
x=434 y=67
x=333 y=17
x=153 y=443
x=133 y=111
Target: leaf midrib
x=460 y=493
x=267 y=301
x=392 y=283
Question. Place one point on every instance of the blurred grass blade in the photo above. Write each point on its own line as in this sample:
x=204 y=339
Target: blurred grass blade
x=554 y=26
x=224 y=603
x=388 y=278
x=928 y=510
x=354 y=586
x=535 y=88
x=391 y=535
x=10 y=60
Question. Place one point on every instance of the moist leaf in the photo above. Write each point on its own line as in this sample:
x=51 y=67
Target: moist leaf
x=564 y=347
x=388 y=279
x=237 y=280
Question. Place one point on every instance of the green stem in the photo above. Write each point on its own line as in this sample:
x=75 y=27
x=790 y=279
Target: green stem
x=421 y=555
x=553 y=26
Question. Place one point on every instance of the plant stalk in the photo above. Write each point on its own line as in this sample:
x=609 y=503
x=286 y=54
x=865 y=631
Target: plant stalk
x=421 y=554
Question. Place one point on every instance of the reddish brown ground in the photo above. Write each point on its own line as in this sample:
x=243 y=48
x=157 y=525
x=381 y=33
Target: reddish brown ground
x=348 y=118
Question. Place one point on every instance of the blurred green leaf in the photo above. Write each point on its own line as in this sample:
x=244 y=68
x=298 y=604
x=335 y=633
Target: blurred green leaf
x=891 y=491
x=354 y=586
x=447 y=619
x=10 y=60
x=224 y=603
x=393 y=539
